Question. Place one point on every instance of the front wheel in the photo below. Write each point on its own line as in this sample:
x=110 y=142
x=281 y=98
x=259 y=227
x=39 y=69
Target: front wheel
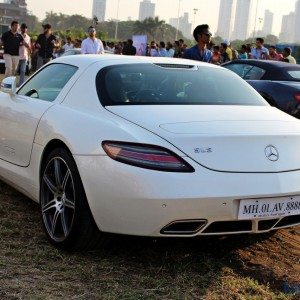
x=66 y=216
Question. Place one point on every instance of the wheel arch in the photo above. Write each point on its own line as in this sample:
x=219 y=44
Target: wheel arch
x=53 y=144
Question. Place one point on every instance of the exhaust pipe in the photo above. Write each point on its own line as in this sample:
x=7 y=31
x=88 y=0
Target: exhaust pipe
x=183 y=227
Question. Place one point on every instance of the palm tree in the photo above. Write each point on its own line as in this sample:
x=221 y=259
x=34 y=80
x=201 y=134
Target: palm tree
x=149 y=26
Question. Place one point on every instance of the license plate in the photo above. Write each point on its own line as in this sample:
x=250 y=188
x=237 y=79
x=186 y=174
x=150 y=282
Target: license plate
x=267 y=208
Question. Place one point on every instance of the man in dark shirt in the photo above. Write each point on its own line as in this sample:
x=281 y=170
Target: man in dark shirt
x=11 y=41
x=129 y=49
x=45 y=43
x=200 y=52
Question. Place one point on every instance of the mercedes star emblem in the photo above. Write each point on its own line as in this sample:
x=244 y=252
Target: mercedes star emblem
x=271 y=153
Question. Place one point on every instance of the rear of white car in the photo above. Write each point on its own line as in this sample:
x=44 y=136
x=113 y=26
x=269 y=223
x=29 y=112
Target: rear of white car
x=241 y=173
x=151 y=147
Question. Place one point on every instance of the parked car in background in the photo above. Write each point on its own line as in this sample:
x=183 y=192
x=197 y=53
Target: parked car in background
x=277 y=82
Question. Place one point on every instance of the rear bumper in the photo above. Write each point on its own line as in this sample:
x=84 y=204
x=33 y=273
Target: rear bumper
x=130 y=200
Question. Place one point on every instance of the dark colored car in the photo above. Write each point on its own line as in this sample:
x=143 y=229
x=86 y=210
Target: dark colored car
x=277 y=82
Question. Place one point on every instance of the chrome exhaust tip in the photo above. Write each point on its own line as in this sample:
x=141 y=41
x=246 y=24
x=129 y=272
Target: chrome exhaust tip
x=183 y=227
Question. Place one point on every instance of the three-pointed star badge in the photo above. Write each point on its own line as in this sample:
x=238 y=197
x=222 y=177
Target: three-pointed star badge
x=271 y=153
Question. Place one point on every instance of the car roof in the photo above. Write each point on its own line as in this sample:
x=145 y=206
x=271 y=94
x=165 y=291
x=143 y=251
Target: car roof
x=87 y=59
x=271 y=64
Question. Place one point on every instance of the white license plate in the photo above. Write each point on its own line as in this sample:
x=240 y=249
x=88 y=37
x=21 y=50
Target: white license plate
x=267 y=208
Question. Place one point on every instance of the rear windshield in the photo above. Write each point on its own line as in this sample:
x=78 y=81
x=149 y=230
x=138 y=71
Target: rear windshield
x=149 y=84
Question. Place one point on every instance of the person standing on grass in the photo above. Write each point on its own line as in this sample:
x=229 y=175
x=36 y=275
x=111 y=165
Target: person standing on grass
x=24 y=52
x=12 y=41
x=92 y=45
x=45 y=43
x=202 y=36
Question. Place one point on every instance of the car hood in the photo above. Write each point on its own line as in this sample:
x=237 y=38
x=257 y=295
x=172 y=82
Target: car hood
x=224 y=138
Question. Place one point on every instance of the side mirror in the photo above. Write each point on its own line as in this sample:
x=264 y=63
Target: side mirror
x=9 y=85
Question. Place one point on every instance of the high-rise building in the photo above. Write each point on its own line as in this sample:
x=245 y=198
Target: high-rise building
x=297 y=22
x=99 y=8
x=268 y=23
x=242 y=20
x=10 y=11
x=225 y=20
x=147 y=10
x=287 y=33
x=183 y=25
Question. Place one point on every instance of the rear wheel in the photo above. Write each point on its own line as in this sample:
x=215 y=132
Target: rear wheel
x=66 y=215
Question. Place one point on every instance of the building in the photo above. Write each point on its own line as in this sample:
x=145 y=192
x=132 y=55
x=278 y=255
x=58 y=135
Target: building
x=296 y=27
x=183 y=25
x=11 y=10
x=242 y=20
x=287 y=33
x=225 y=20
x=99 y=8
x=147 y=10
x=268 y=23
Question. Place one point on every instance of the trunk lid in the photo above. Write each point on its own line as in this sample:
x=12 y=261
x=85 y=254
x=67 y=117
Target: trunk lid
x=224 y=138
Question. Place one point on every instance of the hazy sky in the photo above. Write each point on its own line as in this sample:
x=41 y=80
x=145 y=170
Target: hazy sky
x=208 y=9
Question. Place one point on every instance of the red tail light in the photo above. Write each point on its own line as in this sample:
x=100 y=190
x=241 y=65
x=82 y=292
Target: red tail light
x=1 y=55
x=146 y=156
x=297 y=96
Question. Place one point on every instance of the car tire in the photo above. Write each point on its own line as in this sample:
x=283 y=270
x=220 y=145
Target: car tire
x=65 y=213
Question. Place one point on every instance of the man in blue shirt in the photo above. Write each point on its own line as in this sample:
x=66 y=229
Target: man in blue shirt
x=200 y=52
x=259 y=52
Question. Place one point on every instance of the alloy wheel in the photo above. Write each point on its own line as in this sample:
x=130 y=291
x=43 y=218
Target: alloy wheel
x=57 y=199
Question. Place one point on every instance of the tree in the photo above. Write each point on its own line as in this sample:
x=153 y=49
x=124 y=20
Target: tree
x=149 y=26
x=271 y=39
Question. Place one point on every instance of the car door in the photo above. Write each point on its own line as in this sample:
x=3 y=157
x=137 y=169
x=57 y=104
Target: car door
x=21 y=113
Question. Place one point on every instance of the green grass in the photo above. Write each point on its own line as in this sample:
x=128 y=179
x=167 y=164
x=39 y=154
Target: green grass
x=137 y=268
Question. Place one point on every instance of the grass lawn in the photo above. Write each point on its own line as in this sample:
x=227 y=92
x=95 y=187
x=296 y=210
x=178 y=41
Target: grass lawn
x=237 y=267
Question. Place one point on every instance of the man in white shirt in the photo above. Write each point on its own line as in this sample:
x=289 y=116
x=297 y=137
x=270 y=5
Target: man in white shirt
x=92 y=45
x=287 y=54
x=68 y=45
x=24 y=52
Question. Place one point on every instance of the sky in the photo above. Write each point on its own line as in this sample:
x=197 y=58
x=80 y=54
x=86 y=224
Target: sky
x=208 y=10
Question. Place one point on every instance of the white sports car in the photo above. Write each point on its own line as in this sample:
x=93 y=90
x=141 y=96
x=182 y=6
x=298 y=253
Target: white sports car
x=148 y=146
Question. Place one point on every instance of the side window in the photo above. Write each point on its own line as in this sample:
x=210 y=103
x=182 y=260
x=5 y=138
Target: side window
x=240 y=69
x=255 y=73
x=47 y=84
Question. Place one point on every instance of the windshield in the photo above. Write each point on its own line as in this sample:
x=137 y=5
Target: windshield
x=149 y=84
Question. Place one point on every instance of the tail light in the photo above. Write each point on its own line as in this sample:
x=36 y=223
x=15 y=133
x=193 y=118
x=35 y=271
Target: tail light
x=146 y=156
x=1 y=55
x=297 y=96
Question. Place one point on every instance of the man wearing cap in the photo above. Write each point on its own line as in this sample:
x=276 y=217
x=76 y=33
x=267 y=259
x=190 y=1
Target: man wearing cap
x=92 y=45
x=200 y=52
x=45 y=43
x=11 y=41
x=24 y=52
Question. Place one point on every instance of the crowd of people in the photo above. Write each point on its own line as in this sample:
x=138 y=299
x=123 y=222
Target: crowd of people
x=19 y=48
